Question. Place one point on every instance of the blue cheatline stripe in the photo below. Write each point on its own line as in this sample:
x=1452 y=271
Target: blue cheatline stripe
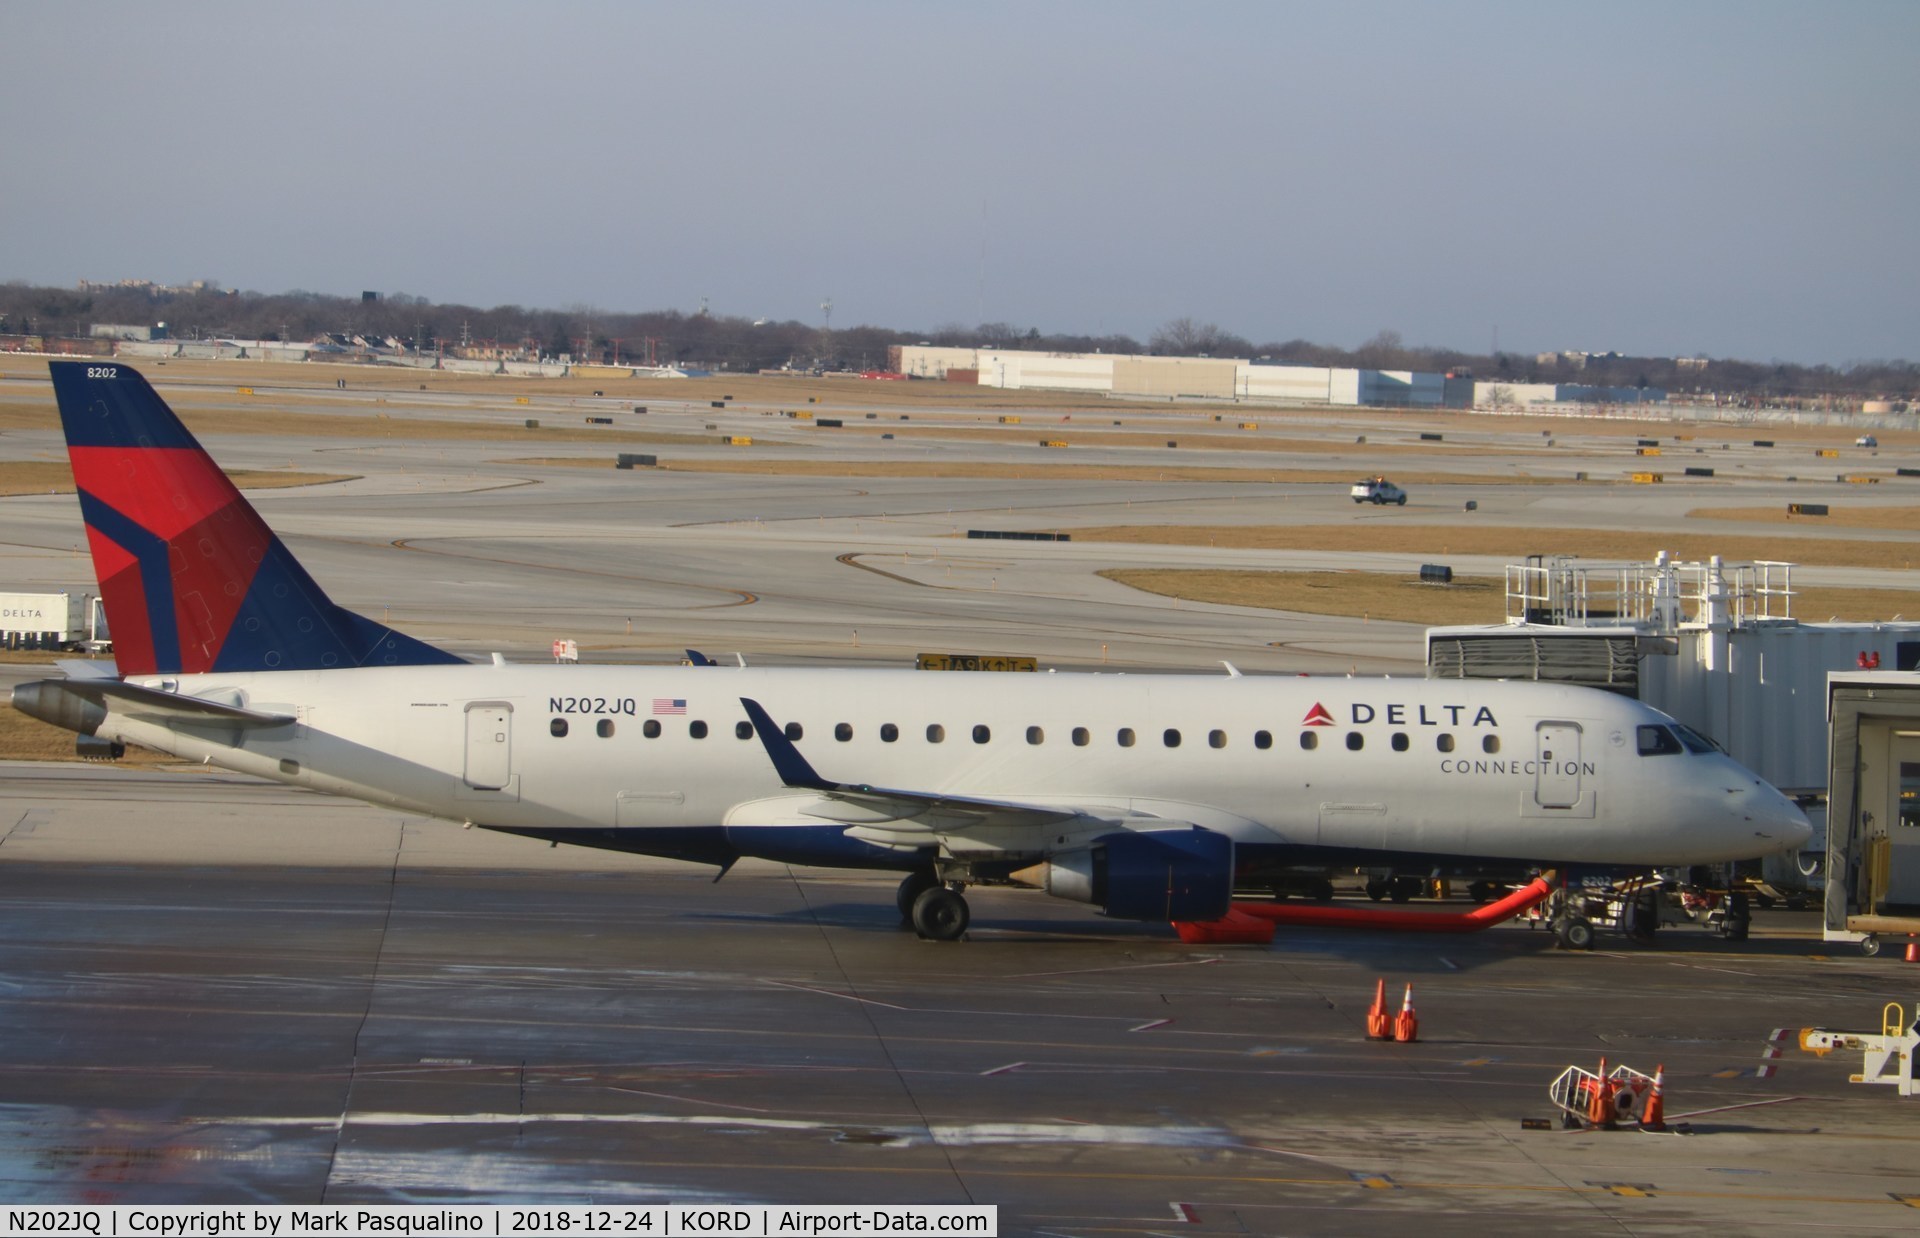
x=156 y=575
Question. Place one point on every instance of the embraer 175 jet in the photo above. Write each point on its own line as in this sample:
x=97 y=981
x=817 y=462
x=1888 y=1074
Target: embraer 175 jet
x=1143 y=795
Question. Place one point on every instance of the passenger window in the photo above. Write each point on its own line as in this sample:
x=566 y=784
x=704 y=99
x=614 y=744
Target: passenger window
x=604 y=728
x=1036 y=736
x=1309 y=740
x=1216 y=739
x=559 y=728
x=936 y=734
x=888 y=732
x=1657 y=741
x=1489 y=744
x=981 y=735
x=1400 y=741
x=651 y=728
x=795 y=731
x=1081 y=737
x=697 y=729
x=1170 y=737
x=1443 y=741
x=1355 y=741
x=743 y=730
x=1263 y=740
x=1125 y=737
x=842 y=731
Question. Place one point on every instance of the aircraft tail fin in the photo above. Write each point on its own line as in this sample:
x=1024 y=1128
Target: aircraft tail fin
x=192 y=579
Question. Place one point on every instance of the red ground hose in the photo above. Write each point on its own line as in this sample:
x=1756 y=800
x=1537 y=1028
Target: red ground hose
x=1403 y=921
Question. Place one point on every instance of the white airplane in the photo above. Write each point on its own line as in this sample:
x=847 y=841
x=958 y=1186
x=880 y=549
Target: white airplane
x=1143 y=795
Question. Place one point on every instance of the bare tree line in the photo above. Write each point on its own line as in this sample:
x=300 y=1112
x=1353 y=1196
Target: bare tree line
x=728 y=342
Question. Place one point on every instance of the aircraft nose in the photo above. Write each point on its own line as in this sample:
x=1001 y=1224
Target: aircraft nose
x=1776 y=821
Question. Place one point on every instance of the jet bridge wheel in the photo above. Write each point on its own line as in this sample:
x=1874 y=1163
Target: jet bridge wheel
x=940 y=914
x=1574 y=932
x=912 y=887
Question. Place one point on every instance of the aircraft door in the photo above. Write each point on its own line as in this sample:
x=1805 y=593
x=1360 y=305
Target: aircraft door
x=1556 y=779
x=489 y=746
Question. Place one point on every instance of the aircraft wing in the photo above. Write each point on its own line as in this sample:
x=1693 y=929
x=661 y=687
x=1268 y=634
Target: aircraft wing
x=897 y=811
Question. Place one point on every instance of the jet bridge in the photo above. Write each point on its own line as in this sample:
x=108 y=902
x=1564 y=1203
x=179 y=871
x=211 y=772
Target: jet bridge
x=1873 y=817
x=1715 y=644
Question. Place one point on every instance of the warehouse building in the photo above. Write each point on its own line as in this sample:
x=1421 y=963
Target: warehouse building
x=1178 y=378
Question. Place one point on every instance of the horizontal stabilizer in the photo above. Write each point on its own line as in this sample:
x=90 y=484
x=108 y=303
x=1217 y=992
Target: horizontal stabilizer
x=82 y=705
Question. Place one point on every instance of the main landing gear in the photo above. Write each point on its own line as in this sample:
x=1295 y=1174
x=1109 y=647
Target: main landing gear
x=936 y=912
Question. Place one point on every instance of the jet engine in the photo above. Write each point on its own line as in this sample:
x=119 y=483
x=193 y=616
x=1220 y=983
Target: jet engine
x=1165 y=875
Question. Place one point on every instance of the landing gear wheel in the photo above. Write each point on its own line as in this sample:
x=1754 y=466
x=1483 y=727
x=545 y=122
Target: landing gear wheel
x=1574 y=933
x=940 y=914
x=1320 y=890
x=1376 y=888
x=1870 y=945
x=1403 y=889
x=1640 y=918
x=911 y=888
x=1480 y=891
x=1738 y=920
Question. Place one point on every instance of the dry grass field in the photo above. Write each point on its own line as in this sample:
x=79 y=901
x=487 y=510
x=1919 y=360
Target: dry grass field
x=1404 y=599
x=1003 y=471
x=56 y=477
x=837 y=392
x=1607 y=545
x=1895 y=519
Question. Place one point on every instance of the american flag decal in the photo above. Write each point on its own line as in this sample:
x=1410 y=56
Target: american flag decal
x=665 y=705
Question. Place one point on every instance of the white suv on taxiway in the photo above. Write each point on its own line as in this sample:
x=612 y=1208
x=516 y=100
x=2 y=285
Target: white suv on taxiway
x=1377 y=490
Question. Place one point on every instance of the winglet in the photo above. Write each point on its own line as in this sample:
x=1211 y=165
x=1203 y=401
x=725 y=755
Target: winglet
x=787 y=761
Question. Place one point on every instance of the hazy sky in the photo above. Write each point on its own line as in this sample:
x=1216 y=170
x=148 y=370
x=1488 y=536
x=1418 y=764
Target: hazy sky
x=1739 y=179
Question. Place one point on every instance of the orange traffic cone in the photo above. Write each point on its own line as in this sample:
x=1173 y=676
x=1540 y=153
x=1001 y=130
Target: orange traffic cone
x=1654 y=1116
x=1913 y=952
x=1600 y=1100
x=1378 y=1025
x=1379 y=1022
x=1406 y=1028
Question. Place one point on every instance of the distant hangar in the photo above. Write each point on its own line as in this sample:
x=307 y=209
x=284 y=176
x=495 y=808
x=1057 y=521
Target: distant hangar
x=1208 y=378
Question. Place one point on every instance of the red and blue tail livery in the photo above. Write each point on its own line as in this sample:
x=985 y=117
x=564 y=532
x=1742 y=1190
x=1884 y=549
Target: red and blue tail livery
x=192 y=579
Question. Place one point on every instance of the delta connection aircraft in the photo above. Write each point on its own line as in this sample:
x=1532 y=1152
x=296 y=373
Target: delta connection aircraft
x=1142 y=795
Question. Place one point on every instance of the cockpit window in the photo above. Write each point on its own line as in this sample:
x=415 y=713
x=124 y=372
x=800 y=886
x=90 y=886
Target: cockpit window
x=1694 y=740
x=1658 y=741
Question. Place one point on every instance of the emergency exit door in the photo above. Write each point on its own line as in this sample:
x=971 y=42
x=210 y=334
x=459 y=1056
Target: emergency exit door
x=489 y=746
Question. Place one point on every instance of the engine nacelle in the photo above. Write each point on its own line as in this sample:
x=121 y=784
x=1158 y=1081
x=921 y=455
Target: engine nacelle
x=1166 y=875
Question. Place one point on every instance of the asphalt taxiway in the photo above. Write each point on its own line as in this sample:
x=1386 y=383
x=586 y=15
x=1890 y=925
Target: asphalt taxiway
x=214 y=990
x=219 y=990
